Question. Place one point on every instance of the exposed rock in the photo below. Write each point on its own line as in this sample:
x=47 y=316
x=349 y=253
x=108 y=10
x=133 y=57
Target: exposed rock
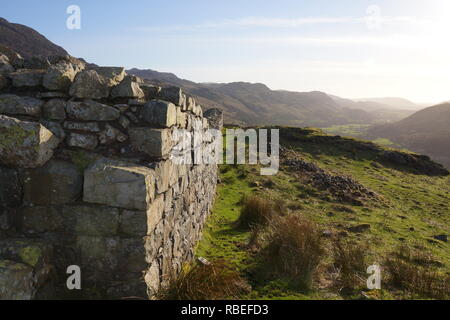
x=36 y=62
x=57 y=182
x=441 y=237
x=359 y=228
x=88 y=84
x=14 y=58
x=215 y=117
x=55 y=128
x=154 y=142
x=15 y=105
x=172 y=94
x=82 y=126
x=5 y=66
x=91 y=111
x=83 y=141
x=150 y=91
x=54 y=109
x=155 y=213
x=124 y=122
x=181 y=118
x=59 y=77
x=112 y=75
x=25 y=144
x=160 y=113
x=111 y=134
x=119 y=184
x=16 y=281
x=27 y=77
x=128 y=88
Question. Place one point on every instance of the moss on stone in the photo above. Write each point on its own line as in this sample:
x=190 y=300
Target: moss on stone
x=30 y=255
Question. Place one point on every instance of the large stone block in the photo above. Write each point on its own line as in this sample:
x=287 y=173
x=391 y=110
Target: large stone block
x=128 y=88
x=5 y=66
x=91 y=111
x=37 y=220
x=59 y=77
x=25 y=144
x=160 y=113
x=57 y=182
x=16 y=281
x=88 y=84
x=91 y=220
x=155 y=213
x=15 y=105
x=54 y=109
x=133 y=223
x=154 y=142
x=119 y=184
x=112 y=75
x=172 y=94
x=84 y=141
x=27 y=77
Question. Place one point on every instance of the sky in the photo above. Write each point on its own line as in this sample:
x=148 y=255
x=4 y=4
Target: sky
x=350 y=48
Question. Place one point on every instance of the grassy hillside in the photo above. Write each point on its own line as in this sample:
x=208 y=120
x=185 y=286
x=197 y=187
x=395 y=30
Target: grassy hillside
x=427 y=131
x=371 y=201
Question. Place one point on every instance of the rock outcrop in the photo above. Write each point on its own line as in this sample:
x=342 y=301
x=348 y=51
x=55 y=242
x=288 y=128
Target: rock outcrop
x=87 y=178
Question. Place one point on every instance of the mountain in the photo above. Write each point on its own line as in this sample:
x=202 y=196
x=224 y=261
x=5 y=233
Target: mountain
x=394 y=103
x=426 y=131
x=256 y=104
x=27 y=41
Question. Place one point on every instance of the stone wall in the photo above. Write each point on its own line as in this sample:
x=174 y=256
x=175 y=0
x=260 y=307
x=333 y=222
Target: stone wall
x=86 y=179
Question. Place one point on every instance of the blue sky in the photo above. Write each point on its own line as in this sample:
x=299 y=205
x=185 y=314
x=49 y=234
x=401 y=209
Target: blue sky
x=350 y=48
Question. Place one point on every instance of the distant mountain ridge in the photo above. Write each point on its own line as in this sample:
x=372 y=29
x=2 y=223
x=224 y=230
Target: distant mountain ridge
x=426 y=131
x=27 y=41
x=256 y=104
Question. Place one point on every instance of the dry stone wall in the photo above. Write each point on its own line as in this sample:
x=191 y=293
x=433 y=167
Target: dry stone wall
x=86 y=179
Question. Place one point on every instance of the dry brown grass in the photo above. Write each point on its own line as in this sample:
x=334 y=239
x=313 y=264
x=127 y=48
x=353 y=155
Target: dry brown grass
x=413 y=272
x=256 y=212
x=294 y=249
x=204 y=282
x=349 y=260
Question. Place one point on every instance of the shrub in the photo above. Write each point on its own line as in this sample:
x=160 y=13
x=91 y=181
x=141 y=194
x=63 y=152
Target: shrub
x=212 y=281
x=412 y=271
x=349 y=259
x=255 y=212
x=294 y=248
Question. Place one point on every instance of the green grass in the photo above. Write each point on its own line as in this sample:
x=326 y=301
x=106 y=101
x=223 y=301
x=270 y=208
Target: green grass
x=414 y=208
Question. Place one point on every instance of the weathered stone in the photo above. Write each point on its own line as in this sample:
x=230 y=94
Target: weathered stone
x=57 y=182
x=83 y=141
x=122 y=107
x=16 y=281
x=4 y=82
x=15 y=105
x=128 y=88
x=37 y=220
x=27 y=77
x=124 y=122
x=111 y=135
x=150 y=91
x=88 y=84
x=5 y=66
x=163 y=173
x=91 y=220
x=59 y=77
x=91 y=111
x=152 y=278
x=181 y=118
x=25 y=144
x=172 y=94
x=132 y=256
x=55 y=128
x=82 y=126
x=197 y=110
x=119 y=184
x=14 y=58
x=112 y=75
x=37 y=62
x=160 y=113
x=215 y=118
x=133 y=223
x=54 y=109
x=10 y=188
x=51 y=95
x=155 y=213
x=154 y=142
x=77 y=64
